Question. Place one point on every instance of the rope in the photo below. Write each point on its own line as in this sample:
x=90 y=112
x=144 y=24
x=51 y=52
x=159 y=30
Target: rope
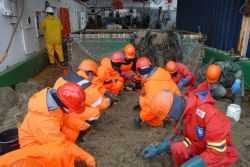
x=57 y=62
x=5 y=54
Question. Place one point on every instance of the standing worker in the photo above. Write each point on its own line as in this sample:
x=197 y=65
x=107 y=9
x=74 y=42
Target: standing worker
x=48 y=114
x=53 y=35
x=181 y=75
x=221 y=75
x=206 y=130
x=154 y=79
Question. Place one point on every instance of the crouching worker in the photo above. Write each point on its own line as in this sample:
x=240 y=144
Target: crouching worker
x=109 y=82
x=221 y=75
x=48 y=114
x=128 y=69
x=46 y=155
x=181 y=75
x=206 y=130
x=154 y=79
x=95 y=101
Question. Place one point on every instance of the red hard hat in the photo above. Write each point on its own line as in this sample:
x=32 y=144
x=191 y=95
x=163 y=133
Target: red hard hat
x=73 y=96
x=143 y=62
x=118 y=57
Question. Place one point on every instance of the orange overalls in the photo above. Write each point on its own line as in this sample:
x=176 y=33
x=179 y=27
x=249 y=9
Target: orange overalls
x=108 y=79
x=158 y=79
x=45 y=121
x=47 y=155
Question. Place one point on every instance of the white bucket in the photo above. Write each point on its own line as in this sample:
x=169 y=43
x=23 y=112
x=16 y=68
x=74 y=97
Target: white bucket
x=234 y=111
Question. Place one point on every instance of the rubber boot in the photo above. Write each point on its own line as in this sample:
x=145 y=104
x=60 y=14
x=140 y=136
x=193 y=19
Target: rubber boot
x=229 y=96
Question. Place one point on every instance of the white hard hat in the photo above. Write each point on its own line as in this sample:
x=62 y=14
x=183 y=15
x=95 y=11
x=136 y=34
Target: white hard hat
x=49 y=10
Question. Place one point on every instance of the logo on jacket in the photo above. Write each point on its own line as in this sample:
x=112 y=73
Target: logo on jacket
x=200 y=113
x=200 y=132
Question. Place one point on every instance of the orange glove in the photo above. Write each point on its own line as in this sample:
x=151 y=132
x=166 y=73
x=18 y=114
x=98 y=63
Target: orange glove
x=84 y=126
x=90 y=161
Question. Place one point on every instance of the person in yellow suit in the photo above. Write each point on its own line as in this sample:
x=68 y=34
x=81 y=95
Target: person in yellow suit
x=53 y=35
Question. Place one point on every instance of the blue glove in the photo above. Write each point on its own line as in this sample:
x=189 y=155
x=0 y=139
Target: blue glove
x=138 y=121
x=236 y=86
x=180 y=85
x=149 y=152
x=196 y=161
x=154 y=150
x=185 y=80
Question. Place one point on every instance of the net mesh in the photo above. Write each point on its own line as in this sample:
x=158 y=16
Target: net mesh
x=158 y=46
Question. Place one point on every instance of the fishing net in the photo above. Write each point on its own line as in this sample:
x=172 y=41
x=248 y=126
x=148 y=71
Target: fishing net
x=156 y=45
x=161 y=47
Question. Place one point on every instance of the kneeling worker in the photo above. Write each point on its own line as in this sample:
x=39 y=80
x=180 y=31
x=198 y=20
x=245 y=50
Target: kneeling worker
x=206 y=130
x=181 y=75
x=154 y=79
x=48 y=114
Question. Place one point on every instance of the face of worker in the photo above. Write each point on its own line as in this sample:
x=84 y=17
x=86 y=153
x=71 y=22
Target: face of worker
x=91 y=76
x=174 y=74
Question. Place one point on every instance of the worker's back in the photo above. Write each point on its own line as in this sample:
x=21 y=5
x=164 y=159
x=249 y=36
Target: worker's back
x=52 y=27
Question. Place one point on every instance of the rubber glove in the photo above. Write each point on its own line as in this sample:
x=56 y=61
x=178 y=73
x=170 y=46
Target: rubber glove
x=90 y=161
x=196 y=161
x=138 y=121
x=236 y=86
x=183 y=82
x=180 y=85
x=129 y=84
x=151 y=151
x=111 y=96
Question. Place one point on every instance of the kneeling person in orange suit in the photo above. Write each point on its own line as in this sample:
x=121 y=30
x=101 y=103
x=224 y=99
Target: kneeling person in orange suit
x=154 y=79
x=206 y=130
x=47 y=155
x=95 y=101
x=128 y=69
x=109 y=81
x=48 y=114
x=181 y=75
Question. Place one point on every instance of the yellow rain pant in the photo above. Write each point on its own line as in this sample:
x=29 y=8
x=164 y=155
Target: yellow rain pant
x=51 y=49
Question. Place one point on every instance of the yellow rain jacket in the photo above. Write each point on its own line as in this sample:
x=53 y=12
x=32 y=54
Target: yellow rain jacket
x=53 y=29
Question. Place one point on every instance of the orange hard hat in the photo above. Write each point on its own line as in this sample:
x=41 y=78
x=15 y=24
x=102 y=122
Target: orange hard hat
x=171 y=67
x=118 y=57
x=88 y=65
x=73 y=96
x=161 y=104
x=143 y=62
x=129 y=51
x=213 y=73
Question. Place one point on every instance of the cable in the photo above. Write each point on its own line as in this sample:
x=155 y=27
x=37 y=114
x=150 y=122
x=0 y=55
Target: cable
x=5 y=54
x=57 y=63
